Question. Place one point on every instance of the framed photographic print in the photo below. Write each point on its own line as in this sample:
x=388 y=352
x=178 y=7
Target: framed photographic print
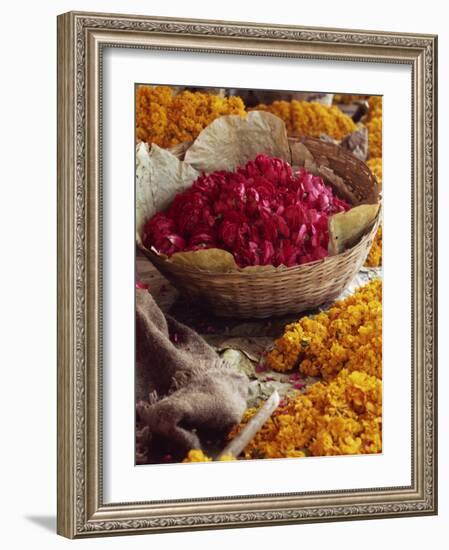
x=247 y=274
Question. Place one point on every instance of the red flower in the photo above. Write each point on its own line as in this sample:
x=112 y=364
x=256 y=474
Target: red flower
x=202 y=240
x=287 y=254
x=263 y=213
x=140 y=285
x=267 y=253
x=160 y=233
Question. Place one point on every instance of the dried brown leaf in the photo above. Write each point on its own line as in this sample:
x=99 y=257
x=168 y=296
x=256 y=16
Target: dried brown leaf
x=346 y=228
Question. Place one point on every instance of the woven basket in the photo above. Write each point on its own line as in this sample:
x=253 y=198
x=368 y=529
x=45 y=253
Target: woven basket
x=258 y=294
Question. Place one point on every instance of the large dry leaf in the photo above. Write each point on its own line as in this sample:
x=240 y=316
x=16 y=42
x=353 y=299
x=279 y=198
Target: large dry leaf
x=144 y=192
x=231 y=141
x=346 y=228
x=357 y=143
x=214 y=260
x=239 y=361
x=209 y=259
x=159 y=177
x=252 y=347
x=300 y=154
x=180 y=149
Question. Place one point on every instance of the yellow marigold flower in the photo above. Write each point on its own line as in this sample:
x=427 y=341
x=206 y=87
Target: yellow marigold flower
x=374 y=258
x=226 y=458
x=373 y=124
x=343 y=416
x=346 y=99
x=311 y=118
x=166 y=118
x=196 y=455
x=375 y=107
x=348 y=335
x=374 y=128
x=375 y=165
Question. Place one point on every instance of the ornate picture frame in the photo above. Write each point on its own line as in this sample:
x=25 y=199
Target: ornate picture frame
x=82 y=38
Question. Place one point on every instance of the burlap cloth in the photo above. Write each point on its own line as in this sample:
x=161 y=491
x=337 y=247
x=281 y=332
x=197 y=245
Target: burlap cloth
x=182 y=386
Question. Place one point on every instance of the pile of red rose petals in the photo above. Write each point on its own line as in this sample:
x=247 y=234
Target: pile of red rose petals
x=263 y=214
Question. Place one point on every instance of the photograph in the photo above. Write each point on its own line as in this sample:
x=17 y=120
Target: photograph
x=258 y=273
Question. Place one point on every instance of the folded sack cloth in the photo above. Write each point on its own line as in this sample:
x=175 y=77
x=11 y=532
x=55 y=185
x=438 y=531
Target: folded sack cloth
x=182 y=385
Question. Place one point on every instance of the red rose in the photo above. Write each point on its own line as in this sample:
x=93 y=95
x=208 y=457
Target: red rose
x=263 y=213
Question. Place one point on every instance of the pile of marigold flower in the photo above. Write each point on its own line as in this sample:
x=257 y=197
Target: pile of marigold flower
x=166 y=118
x=373 y=124
x=375 y=165
x=311 y=118
x=346 y=99
x=375 y=107
x=342 y=414
x=348 y=335
x=374 y=258
x=197 y=455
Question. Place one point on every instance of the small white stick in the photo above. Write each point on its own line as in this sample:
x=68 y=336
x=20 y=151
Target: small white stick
x=241 y=440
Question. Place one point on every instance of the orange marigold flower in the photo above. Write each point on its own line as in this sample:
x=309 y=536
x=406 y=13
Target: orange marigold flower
x=196 y=455
x=348 y=335
x=374 y=258
x=375 y=165
x=373 y=124
x=311 y=118
x=346 y=99
x=343 y=416
x=166 y=118
x=374 y=128
x=375 y=107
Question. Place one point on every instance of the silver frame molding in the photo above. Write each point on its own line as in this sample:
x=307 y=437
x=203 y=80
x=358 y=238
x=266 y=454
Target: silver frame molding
x=81 y=39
